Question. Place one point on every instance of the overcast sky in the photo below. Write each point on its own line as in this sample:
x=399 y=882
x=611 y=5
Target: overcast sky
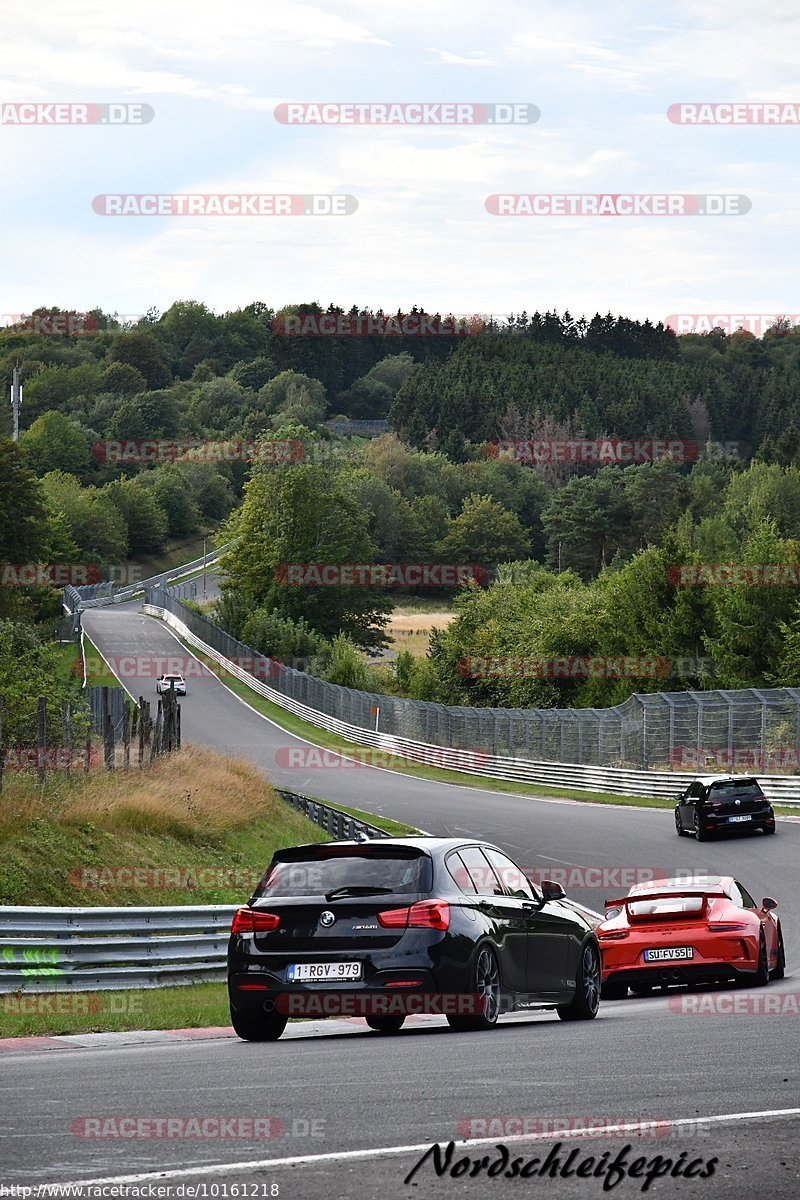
x=603 y=77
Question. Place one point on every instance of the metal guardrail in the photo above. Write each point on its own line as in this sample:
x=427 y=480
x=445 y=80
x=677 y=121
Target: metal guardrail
x=340 y=825
x=97 y=595
x=751 y=728
x=102 y=949
x=622 y=781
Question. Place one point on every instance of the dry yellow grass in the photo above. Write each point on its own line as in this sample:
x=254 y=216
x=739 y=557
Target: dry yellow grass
x=218 y=794
x=412 y=630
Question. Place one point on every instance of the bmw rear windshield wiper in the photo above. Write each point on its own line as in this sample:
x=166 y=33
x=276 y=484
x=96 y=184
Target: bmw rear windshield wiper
x=356 y=890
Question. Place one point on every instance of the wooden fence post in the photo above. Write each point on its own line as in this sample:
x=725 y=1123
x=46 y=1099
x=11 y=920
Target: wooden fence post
x=142 y=722
x=108 y=733
x=155 y=747
x=126 y=736
x=42 y=741
x=68 y=736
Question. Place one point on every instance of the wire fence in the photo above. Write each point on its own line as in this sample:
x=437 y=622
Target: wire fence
x=104 y=728
x=707 y=732
x=97 y=595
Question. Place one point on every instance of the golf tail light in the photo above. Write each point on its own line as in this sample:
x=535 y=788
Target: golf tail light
x=251 y=920
x=427 y=914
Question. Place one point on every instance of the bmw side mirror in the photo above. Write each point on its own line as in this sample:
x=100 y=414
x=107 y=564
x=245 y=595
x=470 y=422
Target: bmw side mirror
x=768 y=903
x=679 y=796
x=552 y=891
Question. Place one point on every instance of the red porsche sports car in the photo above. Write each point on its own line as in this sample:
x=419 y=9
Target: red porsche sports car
x=703 y=930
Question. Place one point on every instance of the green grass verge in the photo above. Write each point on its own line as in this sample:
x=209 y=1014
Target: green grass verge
x=98 y=672
x=395 y=828
x=175 y=554
x=192 y=1007
x=68 y=661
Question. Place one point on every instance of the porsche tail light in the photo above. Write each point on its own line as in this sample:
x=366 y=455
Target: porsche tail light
x=613 y=935
x=726 y=927
x=426 y=914
x=252 y=920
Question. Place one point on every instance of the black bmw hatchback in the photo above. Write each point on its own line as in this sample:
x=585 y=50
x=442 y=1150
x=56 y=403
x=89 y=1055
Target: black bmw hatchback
x=395 y=926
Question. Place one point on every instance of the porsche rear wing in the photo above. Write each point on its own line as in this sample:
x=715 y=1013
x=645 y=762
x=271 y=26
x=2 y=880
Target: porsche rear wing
x=645 y=897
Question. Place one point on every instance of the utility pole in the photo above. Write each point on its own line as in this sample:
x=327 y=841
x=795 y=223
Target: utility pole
x=16 y=401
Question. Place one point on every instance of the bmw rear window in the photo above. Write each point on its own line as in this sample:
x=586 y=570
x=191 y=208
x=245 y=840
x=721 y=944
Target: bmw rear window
x=401 y=870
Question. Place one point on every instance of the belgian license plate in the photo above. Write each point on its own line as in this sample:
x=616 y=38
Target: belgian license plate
x=322 y=972
x=668 y=954
x=742 y=818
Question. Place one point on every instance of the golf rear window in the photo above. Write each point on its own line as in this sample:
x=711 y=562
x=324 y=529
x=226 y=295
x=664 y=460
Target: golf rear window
x=670 y=905
x=745 y=789
x=403 y=872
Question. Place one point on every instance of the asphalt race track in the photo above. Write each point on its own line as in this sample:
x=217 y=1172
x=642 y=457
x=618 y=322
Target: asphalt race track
x=360 y=1110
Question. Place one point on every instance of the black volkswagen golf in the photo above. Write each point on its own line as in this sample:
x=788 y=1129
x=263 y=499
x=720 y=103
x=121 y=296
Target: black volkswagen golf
x=394 y=926
x=716 y=803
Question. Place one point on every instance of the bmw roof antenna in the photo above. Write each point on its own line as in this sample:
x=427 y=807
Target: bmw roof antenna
x=361 y=836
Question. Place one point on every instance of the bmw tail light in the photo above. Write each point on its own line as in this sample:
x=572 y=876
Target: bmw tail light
x=251 y=920
x=427 y=914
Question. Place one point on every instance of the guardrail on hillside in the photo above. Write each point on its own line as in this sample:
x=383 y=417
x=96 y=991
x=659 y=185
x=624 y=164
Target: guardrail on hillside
x=101 y=949
x=97 y=595
x=783 y=789
x=340 y=825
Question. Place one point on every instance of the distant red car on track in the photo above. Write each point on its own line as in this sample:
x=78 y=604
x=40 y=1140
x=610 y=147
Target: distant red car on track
x=704 y=930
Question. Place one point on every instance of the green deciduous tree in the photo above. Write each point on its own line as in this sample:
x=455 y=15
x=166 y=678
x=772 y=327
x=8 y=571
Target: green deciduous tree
x=54 y=443
x=304 y=514
x=144 y=518
x=484 y=532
